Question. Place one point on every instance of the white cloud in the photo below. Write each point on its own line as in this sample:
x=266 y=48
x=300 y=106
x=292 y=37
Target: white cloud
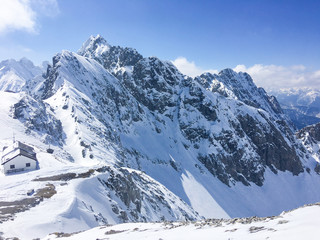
x=22 y=14
x=190 y=68
x=316 y=75
x=274 y=77
x=16 y=15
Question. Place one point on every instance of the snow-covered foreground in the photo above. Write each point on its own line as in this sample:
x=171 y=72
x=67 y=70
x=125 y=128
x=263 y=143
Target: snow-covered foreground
x=65 y=196
x=302 y=223
x=70 y=198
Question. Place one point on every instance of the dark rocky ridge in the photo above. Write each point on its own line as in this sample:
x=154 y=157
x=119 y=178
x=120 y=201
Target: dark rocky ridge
x=313 y=132
x=310 y=136
x=165 y=92
x=242 y=86
x=236 y=130
x=37 y=116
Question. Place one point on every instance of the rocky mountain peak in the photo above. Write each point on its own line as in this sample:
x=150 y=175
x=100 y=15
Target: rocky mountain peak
x=241 y=87
x=156 y=87
x=94 y=46
x=115 y=59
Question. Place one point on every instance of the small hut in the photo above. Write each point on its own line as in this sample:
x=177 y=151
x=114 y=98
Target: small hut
x=18 y=157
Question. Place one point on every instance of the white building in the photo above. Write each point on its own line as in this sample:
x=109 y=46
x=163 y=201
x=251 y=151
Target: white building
x=18 y=157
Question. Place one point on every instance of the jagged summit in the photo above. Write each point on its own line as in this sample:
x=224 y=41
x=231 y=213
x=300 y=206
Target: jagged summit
x=95 y=45
x=115 y=59
x=241 y=87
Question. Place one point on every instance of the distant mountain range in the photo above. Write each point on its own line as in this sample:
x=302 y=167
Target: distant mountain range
x=302 y=105
x=17 y=76
x=136 y=140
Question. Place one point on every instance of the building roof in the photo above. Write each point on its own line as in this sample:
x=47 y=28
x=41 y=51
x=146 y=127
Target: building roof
x=15 y=150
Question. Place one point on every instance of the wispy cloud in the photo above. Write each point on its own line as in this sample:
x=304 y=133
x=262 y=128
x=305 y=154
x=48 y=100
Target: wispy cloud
x=22 y=14
x=273 y=76
x=16 y=15
x=190 y=68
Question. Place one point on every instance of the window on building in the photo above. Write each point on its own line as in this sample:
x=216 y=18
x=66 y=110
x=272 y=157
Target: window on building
x=12 y=166
x=27 y=164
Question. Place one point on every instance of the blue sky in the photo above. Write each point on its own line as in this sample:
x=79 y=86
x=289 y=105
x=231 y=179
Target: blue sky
x=249 y=35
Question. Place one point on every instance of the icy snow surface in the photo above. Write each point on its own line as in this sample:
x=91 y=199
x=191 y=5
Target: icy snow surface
x=302 y=223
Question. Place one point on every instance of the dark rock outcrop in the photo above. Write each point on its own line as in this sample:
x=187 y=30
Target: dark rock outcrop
x=37 y=116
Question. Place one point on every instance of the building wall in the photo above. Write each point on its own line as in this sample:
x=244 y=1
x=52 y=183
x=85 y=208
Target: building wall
x=20 y=162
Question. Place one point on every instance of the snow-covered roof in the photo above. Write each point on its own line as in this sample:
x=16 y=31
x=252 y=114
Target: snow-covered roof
x=17 y=149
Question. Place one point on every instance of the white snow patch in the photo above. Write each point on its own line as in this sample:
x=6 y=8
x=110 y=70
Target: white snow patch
x=201 y=199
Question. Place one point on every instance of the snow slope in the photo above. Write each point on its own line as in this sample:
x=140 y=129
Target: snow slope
x=85 y=202
x=97 y=197
x=302 y=223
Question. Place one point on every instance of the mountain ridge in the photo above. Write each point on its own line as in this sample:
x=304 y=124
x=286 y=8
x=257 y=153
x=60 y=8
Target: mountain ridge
x=216 y=137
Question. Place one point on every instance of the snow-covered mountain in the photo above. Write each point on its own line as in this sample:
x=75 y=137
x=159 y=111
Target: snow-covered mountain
x=302 y=105
x=136 y=140
x=193 y=112
x=16 y=76
x=310 y=137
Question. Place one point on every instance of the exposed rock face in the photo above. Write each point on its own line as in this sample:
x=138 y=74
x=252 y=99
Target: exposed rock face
x=233 y=144
x=313 y=132
x=37 y=116
x=231 y=127
x=240 y=86
x=279 y=154
x=115 y=59
x=153 y=83
x=310 y=137
x=143 y=197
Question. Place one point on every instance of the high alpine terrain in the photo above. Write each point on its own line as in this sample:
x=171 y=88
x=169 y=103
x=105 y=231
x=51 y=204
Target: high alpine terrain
x=310 y=137
x=136 y=140
x=302 y=105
